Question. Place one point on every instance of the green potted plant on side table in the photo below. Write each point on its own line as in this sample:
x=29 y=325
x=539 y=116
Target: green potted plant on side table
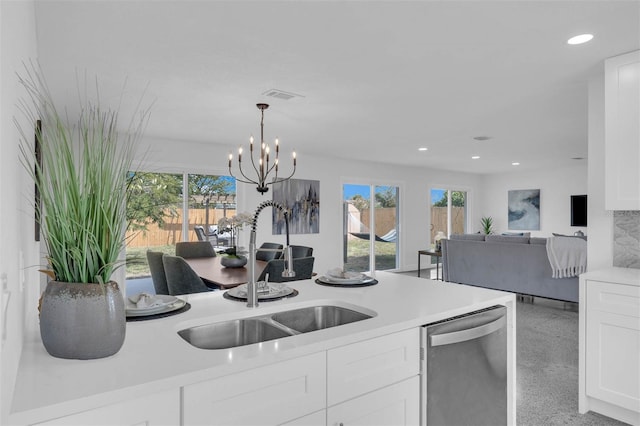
x=81 y=176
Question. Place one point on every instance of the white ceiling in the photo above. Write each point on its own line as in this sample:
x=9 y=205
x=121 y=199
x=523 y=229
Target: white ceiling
x=378 y=79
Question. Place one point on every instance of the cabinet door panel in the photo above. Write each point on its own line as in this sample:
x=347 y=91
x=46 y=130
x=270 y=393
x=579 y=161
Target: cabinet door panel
x=397 y=405
x=269 y=395
x=153 y=410
x=614 y=298
x=365 y=366
x=622 y=132
x=612 y=364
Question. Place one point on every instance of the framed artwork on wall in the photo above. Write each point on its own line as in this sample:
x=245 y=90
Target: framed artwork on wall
x=524 y=209
x=302 y=198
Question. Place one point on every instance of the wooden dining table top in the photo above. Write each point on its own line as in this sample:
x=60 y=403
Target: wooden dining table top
x=210 y=269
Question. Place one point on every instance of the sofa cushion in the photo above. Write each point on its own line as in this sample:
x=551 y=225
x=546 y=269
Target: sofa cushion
x=538 y=240
x=506 y=239
x=468 y=237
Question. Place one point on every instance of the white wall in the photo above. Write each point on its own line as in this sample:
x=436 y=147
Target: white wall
x=414 y=183
x=600 y=242
x=18 y=249
x=556 y=187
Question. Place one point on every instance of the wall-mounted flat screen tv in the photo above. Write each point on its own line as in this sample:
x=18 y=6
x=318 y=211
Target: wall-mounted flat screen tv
x=578 y=210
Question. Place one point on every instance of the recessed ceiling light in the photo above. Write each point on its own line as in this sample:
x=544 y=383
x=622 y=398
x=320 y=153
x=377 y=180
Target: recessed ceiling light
x=515 y=164
x=579 y=39
x=475 y=157
x=422 y=149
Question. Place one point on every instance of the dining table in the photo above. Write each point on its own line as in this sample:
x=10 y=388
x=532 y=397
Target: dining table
x=214 y=273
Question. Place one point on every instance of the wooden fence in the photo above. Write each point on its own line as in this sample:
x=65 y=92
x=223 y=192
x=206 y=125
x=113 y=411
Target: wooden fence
x=439 y=220
x=171 y=231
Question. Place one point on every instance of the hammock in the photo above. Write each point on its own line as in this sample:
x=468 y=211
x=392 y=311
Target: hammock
x=389 y=237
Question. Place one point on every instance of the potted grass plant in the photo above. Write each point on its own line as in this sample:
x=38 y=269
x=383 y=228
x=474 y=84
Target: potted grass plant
x=486 y=222
x=81 y=176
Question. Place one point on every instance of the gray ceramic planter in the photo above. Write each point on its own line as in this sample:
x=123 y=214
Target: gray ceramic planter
x=82 y=321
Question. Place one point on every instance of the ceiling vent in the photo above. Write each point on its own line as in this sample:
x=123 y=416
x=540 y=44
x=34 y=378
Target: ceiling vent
x=281 y=94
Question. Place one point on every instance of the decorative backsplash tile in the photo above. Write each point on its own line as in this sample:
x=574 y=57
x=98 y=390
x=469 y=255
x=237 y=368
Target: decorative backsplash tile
x=626 y=239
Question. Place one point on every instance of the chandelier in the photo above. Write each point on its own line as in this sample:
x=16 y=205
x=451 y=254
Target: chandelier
x=263 y=168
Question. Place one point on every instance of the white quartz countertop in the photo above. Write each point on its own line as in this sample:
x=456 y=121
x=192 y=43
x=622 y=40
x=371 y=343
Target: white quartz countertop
x=154 y=358
x=627 y=276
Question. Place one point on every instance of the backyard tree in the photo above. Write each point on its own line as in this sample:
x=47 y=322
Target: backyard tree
x=203 y=188
x=386 y=197
x=458 y=199
x=360 y=202
x=152 y=197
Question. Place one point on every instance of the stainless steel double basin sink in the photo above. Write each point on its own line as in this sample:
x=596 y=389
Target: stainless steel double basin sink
x=246 y=331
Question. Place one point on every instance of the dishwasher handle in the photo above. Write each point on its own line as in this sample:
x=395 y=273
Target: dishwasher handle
x=468 y=334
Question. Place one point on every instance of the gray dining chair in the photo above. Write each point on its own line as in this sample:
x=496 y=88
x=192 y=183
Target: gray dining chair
x=188 y=249
x=301 y=251
x=156 y=267
x=181 y=279
x=269 y=255
x=302 y=265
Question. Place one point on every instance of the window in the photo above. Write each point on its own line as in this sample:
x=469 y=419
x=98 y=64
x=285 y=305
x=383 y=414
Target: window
x=448 y=212
x=161 y=212
x=370 y=236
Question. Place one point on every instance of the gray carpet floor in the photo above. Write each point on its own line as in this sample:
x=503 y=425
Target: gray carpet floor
x=547 y=367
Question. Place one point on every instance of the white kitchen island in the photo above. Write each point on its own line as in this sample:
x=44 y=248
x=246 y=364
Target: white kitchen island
x=311 y=378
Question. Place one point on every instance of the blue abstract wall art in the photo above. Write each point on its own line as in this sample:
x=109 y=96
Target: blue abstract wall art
x=302 y=198
x=524 y=209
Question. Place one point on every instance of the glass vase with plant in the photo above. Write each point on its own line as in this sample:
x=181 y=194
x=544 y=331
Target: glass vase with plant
x=233 y=225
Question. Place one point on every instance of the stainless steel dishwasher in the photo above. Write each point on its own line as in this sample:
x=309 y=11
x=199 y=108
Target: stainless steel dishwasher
x=464 y=370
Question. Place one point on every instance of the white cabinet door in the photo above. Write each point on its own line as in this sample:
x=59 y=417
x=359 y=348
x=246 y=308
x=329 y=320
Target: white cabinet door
x=397 y=405
x=622 y=132
x=159 y=409
x=371 y=364
x=269 y=395
x=613 y=344
x=613 y=364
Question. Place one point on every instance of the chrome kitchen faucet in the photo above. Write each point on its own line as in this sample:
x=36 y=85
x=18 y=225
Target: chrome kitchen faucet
x=252 y=288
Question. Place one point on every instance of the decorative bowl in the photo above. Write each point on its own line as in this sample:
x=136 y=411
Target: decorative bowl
x=233 y=261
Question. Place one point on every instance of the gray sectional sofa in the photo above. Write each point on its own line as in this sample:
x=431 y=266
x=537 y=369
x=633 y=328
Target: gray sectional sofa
x=517 y=264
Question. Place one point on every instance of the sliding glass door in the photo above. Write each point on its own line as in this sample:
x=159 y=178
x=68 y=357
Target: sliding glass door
x=370 y=238
x=448 y=212
x=164 y=208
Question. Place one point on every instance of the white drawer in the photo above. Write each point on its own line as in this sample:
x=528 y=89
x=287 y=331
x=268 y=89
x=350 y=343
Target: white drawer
x=269 y=395
x=614 y=298
x=372 y=364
